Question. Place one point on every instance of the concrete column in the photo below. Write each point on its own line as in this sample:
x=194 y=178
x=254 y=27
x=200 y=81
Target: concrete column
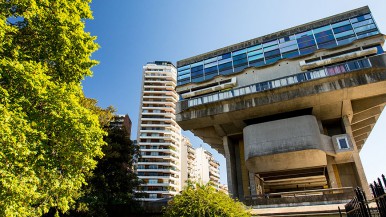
x=231 y=167
x=252 y=184
x=239 y=175
x=331 y=174
x=357 y=161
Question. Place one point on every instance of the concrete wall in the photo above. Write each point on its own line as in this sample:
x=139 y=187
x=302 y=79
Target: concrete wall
x=286 y=144
x=347 y=175
x=281 y=136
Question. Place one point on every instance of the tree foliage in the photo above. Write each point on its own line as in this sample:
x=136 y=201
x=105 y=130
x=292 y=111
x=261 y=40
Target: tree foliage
x=113 y=180
x=204 y=201
x=49 y=135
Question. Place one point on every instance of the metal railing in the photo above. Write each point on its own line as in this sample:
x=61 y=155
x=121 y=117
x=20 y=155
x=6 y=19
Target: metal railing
x=361 y=207
x=293 y=197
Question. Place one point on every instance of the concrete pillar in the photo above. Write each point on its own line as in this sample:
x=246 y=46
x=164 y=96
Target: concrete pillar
x=331 y=173
x=362 y=180
x=239 y=174
x=231 y=167
x=252 y=184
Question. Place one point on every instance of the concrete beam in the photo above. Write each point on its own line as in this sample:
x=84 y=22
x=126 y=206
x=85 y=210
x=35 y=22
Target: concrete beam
x=362 y=105
x=231 y=167
x=347 y=108
x=366 y=114
x=362 y=131
x=296 y=180
x=360 y=144
x=360 y=125
x=361 y=137
x=219 y=130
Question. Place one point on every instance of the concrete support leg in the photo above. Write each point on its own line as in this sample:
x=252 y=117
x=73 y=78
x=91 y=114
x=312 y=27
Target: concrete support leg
x=362 y=180
x=252 y=184
x=231 y=167
x=331 y=173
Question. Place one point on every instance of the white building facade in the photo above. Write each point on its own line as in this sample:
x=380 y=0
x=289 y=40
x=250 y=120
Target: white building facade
x=207 y=169
x=159 y=136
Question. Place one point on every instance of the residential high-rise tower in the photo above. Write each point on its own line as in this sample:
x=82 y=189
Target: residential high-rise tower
x=159 y=136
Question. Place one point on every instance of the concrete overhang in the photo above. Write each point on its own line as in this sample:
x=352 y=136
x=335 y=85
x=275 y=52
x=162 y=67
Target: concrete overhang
x=365 y=89
x=353 y=55
x=287 y=161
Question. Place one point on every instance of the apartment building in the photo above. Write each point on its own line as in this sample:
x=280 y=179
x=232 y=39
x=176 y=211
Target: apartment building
x=159 y=136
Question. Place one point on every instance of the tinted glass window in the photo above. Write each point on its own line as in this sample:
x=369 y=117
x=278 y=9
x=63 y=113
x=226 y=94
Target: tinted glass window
x=342 y=29
x=342 y=23
x=254 y=48
x=322 y=29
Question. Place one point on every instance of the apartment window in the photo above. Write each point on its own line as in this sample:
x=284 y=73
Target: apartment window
x=343 y=143
x=152 y=181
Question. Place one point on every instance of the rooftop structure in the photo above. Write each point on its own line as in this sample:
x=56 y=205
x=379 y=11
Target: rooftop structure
x=291 y=110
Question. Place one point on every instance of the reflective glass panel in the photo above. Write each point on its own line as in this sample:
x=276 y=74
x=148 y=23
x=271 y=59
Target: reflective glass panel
x=346 y=40
x=270 y=43
x=214 y=59
x=322 y=29
x=288 y=43
x=255 y=52
x=183 y=67
x=224 y=61
x=285 y=49
x=239 y=52
x=365 y=28
x=303 y=34
x=224 y=56
x=271 y=48
x=184 y=72
x=365 y=22
x=290 y=54
x=207 y=65
x=342 y=23
x=260 y=56
x=196 y=64
x=366 y=34
x=361 y=18
x=343 y=34
x=342 y=29
x=254 y=47
x=241 y=56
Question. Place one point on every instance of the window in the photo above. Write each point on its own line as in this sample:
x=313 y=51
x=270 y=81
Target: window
x=342 y=143
x=153 y=181
x=153 y=196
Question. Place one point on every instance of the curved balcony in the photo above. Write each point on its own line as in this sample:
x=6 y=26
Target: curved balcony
x=285 y=144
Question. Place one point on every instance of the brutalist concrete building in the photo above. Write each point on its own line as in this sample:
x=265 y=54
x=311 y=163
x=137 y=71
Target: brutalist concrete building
x=291 y=110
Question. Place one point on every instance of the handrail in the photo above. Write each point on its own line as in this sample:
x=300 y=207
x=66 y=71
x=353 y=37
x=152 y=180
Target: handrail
x=299 y=192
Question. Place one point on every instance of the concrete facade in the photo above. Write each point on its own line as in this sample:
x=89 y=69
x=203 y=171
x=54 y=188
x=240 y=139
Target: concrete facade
x=296 y=134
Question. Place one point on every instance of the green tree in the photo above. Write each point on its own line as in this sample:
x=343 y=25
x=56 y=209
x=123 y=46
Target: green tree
x=204 y=201
x=49 y=135
x=113 y=180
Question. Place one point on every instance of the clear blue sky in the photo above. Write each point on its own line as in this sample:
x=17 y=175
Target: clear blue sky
x=132 y=33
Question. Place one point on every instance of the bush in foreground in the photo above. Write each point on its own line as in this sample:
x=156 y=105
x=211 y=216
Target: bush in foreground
x=204 y=200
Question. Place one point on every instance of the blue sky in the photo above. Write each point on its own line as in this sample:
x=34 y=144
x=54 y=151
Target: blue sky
x=132 y=33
